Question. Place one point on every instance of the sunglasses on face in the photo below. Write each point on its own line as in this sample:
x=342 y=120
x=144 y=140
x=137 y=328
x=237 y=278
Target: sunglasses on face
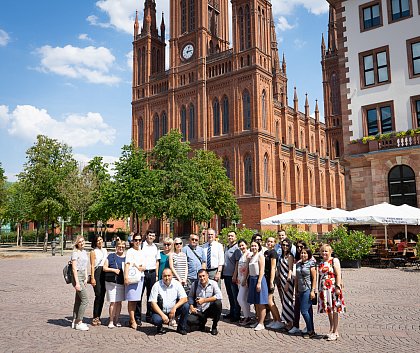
x=285 y=245
x=193 y=239
x=137 y=239
x=167 y=244
x=178 y=243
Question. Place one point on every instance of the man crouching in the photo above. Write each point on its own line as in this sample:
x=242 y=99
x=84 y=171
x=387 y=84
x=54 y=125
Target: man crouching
x=168 y=301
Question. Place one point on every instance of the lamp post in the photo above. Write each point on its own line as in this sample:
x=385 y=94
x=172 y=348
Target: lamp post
x=62 y=221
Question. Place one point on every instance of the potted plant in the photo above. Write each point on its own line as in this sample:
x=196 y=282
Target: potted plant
x=350 y=246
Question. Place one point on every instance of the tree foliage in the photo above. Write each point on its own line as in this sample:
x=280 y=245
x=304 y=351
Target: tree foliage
x=48 y=162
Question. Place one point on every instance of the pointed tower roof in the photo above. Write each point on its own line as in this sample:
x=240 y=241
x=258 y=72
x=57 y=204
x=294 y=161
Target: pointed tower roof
x=149 y=18
x=332 y=31
x=162 y=28
x=323 y=46
x=136 y=25
x=316 y=111
x=283 y=65
x=306 y=105
x=295 y=101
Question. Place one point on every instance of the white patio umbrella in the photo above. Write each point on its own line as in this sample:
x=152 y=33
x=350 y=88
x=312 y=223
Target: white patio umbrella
x=304 y=215
x=382 y=213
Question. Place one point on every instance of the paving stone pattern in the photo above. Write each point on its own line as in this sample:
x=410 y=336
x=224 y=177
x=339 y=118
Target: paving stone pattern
x=383 y=312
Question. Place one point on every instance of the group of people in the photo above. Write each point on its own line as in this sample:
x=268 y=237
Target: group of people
x=183 y=283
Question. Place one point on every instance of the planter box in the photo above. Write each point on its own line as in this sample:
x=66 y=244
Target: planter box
x=350 y=263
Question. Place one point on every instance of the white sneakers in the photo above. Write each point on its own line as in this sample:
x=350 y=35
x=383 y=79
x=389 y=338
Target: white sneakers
x=111 y=325
x=294 y=330
x=173 y=323
x=82 y=327
x=276 y=325
x=73 y=324
x=259 y=327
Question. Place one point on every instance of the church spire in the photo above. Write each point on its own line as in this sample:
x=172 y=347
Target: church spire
x=306 y=106
x=295 y=101
x=283 y=65
x=316 y=111
x=323 y=46
x=136 y=25
x=162 y=28
x=332 y=31
x=149 y=18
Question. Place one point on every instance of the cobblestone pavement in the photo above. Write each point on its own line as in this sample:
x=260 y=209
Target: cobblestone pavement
x=383 y=311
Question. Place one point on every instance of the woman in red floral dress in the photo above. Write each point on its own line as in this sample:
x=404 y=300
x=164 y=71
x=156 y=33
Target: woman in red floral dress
x=330 y=299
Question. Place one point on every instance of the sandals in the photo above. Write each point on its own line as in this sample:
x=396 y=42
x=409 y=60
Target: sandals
x=96 y=321
x=332 y=337
x=133 y=325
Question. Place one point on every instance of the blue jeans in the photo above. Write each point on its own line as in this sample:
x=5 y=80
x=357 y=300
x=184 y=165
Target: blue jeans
x=306 y=309
x=232 y=292
x=182 y=312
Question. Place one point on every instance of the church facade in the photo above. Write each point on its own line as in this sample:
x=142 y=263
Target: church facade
x=230 y=96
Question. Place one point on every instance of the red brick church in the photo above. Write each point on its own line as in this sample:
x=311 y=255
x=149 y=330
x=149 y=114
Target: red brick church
x=229 y=95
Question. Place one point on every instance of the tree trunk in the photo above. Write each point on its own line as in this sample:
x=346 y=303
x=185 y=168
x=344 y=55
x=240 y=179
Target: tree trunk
x=37 y=233
x=17 y=234
x=81 y=224
x=46 y=236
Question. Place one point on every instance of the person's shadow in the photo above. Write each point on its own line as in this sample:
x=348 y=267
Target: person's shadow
x=64 y=322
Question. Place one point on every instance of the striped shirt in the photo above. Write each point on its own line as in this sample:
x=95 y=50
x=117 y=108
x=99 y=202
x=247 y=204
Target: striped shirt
x=180 y=264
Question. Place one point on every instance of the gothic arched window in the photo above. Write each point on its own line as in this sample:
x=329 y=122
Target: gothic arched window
x=140 y=133
x=337 y=149
x=226 y=165
x=184 y=123
x=266 y=174
x=139 y=66
x=402 y=186
x=248 y=26
x=246 y=107
x=225 y=115
x=183 y=16
x=248 y=174
x=335 y=95
x=164 y=124
x=264 y=109
x=191 y=130
x=241 y=29
x=192 y=16
x=156 y=132
x=216 y=118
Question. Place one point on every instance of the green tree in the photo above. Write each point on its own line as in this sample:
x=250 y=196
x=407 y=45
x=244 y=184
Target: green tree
x=2 y=193
x=78 y=189
x=219 y=191
x=100 y=209
x=134 y=188
x=17 y=207
x=181 y=194
x=48 y=163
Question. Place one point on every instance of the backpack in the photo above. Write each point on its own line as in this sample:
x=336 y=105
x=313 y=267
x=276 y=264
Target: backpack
x=68 y=272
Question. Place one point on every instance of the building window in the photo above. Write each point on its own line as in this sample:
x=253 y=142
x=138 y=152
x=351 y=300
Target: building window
x=248 y=174
x=241 y=29
x=264 y=109
x=399 y=10
x=266 y=174
x=192 y=16
x=374 y=67
x=248 y=26
x=379 y=118
x=139 y=67
x=156 y=132
x=225 y=115
x=183 y=16
x=140 y=133
x=226 y=165
x=337 y=149
x=402 y=186
x=164 y=124
x=216 y=118
x=370 y=15
x=191 y=130
x=246 y=106
x=183 y=123
x=413 y=56
x=415 y=108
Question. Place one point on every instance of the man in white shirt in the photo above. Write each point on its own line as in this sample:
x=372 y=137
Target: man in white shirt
x=151 y=255
x=168 y=300
x=213 y=256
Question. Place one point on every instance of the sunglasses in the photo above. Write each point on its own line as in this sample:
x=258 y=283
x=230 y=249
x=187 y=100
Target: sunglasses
x=166 y=244
x=178 y=243
x=285 y=245
x=137 y=239
x=193 y=239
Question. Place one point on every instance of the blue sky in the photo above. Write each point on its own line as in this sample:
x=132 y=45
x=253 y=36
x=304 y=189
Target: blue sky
x=65 y=70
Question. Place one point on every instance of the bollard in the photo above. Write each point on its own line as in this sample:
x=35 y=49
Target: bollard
x=53 y=247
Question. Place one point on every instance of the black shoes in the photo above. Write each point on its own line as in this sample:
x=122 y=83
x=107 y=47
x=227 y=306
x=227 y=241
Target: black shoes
x=181 y=331
x=214 y=331
x=160 y=330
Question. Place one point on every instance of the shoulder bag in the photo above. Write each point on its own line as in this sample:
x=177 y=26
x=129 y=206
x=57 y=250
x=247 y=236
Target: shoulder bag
x=133 y=275
x=68 y=272
x=112 y=276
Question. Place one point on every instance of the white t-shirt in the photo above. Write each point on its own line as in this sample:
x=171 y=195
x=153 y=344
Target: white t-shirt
x=134 y=256
x=100 y=256
x=151 y=254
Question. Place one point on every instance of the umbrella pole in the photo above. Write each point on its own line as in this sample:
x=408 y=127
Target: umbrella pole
x=386 y=237
x=405 y=229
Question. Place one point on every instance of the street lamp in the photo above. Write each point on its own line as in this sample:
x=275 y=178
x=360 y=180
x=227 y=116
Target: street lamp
x=62 y=221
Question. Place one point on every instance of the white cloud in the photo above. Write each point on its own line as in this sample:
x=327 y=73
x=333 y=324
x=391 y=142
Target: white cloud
x=4 y=115
x=76 y=130
x=129 y=57
x=287 y=7
x=90 y=63
x=283 y=24
x=299 y=43
x=84 y=160
x=84 y=36
x=4 y=38
x=121 y=13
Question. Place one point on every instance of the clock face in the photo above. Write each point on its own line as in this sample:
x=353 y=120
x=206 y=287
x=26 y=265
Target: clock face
x=187 y=51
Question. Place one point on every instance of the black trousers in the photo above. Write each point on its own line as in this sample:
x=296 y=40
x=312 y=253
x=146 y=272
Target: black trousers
x=99 y=290
x=149 y=281
x=214 y=311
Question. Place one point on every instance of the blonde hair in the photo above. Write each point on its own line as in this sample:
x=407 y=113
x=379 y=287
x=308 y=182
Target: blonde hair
x=119 y=243
x=169 y=241
x=76 y=242
x=325 y=247
x=178 y=240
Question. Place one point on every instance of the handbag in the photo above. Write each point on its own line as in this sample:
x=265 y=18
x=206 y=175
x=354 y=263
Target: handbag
x=68 y=272
x=111 y=276
x=133 y=275
x=315 y=299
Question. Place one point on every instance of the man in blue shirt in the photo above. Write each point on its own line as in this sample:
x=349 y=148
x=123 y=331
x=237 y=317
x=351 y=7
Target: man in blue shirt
x=194 y=254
